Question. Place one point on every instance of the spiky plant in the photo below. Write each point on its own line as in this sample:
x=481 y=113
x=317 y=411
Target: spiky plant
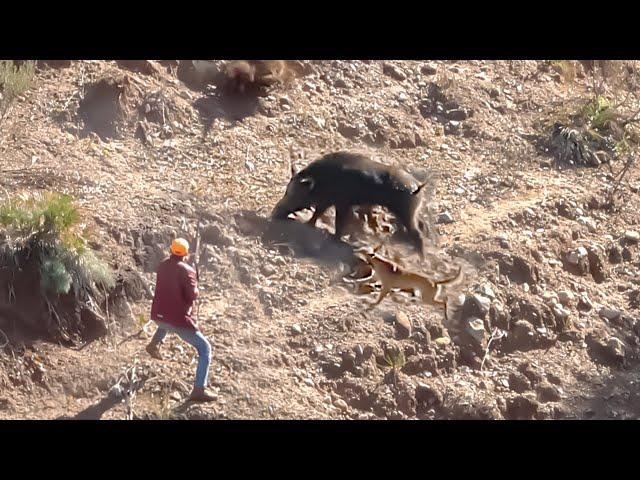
x=394 y=360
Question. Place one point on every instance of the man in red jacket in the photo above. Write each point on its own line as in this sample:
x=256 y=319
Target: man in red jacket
x=176 y=290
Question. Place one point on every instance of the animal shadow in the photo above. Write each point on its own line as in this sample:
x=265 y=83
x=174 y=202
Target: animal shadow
x=97 y=410
x=300 y=239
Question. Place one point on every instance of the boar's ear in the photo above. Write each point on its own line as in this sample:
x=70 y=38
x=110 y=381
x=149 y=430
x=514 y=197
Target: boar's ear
x=309 y=181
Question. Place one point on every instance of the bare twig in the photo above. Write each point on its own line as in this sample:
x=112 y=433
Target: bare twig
x=630 y=161
x=6 y=339
x=126 y=387
x=130 y=393
x=106 y=307
x=54 y=314
x=617 y=105
x=632 y=119
x=495 y=335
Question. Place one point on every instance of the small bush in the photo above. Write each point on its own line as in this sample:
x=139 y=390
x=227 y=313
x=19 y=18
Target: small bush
x=47 y=227
x=599 y=113
x=394 y=359
x=54 y=277
x=43 y=217
x=14 y=80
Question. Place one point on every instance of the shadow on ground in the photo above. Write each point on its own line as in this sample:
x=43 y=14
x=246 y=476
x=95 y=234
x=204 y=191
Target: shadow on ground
x=226 y=105
x=614 y=397
x=300 y=239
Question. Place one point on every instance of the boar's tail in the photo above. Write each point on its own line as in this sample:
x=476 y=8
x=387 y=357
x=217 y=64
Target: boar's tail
x=417 y=190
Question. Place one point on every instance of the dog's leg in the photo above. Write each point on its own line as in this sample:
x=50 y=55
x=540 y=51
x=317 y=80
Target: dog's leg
x=383 y=293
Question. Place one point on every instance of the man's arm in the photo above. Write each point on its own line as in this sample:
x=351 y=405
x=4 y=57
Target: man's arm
x=189 y=284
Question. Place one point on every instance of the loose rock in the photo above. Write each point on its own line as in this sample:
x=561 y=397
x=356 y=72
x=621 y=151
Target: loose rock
x=341 y=404
x=428 y=396
x=428 y=70
x=616 y=349
x=393 y=72
x=548 y=392
x=518 y=382
x=522 y=408
x=575 y=256
x=610 y=314
x=596 y=264
x=403 y=323
x=444 y=218
x=584 y=303
x=214 y=235
x=475 y=328
x=522 y=336
x=632 y=236
x=566 y=297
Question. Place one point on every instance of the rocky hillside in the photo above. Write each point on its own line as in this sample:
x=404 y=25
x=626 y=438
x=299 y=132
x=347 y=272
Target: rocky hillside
x=524 y=155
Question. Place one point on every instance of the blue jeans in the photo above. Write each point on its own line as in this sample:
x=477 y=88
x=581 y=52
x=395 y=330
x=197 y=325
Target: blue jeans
x=194 y=338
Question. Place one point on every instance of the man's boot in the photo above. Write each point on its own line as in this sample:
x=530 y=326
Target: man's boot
x=200 y=394
x=154 y=350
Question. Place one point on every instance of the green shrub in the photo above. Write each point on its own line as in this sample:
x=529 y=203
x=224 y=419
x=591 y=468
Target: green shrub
x=54 y=277
x=45 y=217
x=48 y=227
x=599 y=112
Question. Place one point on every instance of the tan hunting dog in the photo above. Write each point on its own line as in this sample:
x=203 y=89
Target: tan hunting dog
x=392 y=276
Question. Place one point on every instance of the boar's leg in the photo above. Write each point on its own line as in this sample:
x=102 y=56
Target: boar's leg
x=320 y=209
x=343 y=214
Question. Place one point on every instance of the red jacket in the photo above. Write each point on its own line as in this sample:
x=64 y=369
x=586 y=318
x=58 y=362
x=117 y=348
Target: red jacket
x=176 y=290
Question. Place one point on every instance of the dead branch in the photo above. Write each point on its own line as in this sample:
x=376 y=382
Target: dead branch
x=126 y=387
x=623 y=101
x=497 y=334
x=632 y=119
x=106 y=308
x=54 y=314
x=630 y=161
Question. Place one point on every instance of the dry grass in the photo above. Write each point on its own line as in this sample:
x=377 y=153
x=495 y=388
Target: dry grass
x=14 y=80
x=566 y=68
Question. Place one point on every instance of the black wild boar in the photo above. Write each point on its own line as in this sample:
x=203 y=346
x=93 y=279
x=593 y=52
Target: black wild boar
x=345 y=179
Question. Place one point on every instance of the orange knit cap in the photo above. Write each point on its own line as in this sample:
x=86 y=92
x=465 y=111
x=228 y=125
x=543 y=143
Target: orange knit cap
x=180 y=247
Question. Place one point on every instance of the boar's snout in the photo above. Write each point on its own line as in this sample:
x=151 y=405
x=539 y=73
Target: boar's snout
x=280 y=211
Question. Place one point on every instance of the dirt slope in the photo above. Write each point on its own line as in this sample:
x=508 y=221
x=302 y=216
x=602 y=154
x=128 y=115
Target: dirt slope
x=289 y=337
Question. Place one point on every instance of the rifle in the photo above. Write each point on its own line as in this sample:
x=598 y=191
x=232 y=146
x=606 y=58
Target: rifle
x=196 y=261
